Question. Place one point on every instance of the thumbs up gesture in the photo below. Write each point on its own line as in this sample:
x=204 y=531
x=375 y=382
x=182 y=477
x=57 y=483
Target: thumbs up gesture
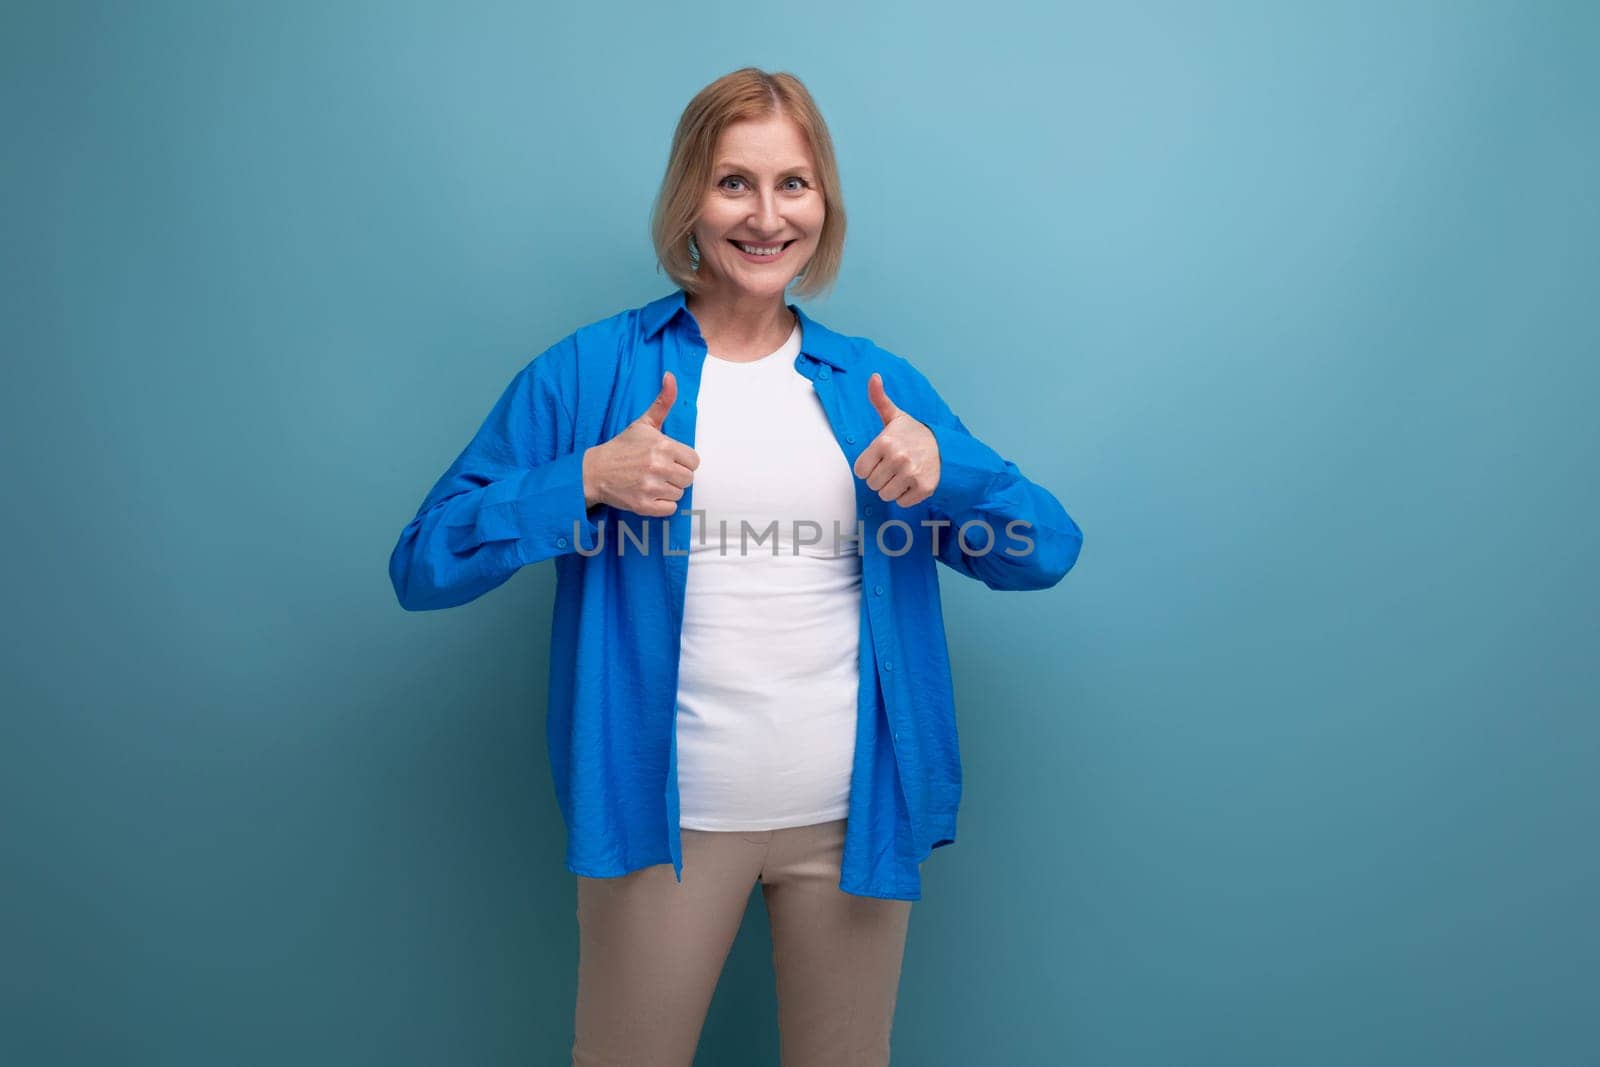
x=641 y=470
x=902 y=462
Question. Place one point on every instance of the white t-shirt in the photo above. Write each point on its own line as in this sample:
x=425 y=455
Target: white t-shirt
x=769 y=664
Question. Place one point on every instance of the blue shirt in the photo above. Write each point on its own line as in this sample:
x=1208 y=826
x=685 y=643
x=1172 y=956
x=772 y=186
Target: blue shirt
x=515 y=496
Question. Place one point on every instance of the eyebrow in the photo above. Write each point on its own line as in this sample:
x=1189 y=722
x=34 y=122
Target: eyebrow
x=729 y=164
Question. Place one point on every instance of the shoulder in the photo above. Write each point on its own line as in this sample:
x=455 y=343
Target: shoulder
x=609 y=331
x=891 y=365
x=591 y=348
x=864 y=355
x=905 y=383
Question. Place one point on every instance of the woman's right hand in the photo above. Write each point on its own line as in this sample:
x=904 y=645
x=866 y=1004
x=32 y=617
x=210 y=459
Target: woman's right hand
x=641 y=470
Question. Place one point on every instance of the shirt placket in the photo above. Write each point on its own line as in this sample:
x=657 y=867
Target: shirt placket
x=683 y=352
x=874 y=565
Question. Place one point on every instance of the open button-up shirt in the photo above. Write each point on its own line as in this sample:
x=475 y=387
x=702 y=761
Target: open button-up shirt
x=515 y=496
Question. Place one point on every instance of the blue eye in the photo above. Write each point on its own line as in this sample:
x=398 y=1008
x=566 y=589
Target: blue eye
x=803 y=184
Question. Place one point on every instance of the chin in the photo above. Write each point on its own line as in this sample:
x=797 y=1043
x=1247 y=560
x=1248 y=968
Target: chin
x=761 y=287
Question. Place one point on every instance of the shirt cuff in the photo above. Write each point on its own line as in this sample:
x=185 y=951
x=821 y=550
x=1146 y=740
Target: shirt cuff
x=543 y=508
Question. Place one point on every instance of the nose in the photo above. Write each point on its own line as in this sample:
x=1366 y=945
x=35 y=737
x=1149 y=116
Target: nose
x=765 y=219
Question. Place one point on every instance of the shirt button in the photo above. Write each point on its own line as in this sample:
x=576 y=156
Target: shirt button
x=561 y=542
x=823 y=374
x=868 y=509
x=877 y=590
x=888 y=664
x=850 y=438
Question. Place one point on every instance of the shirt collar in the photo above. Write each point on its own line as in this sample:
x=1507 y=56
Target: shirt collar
x=815 y=339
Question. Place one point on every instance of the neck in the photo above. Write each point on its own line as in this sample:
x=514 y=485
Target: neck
x=739 y=321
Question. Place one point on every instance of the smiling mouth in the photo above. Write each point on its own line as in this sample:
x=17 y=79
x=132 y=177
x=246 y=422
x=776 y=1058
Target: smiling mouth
x=746 y=249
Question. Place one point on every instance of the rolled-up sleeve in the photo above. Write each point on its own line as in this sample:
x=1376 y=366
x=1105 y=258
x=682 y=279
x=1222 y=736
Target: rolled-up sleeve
x=514 y=495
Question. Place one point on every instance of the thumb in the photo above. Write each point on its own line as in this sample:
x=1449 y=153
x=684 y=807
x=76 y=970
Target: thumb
x=880 y=399
x=656 y=413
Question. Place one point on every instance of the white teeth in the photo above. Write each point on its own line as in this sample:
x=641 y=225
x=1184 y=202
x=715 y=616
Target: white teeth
x=757 y=251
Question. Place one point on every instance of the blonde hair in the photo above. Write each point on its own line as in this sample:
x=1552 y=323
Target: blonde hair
x=747 y=93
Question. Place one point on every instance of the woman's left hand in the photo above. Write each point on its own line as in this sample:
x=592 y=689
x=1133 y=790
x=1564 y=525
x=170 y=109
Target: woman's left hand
x=902 y=462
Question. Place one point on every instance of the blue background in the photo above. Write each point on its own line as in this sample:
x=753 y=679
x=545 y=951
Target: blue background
x=1298 y=766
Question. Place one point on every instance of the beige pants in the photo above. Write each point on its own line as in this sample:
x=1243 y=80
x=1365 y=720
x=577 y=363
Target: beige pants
x=651 y=951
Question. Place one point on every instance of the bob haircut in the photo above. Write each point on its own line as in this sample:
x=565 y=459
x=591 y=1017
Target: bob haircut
x=747 y=93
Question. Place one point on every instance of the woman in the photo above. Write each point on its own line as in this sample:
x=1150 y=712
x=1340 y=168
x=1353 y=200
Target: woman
x=749 y=679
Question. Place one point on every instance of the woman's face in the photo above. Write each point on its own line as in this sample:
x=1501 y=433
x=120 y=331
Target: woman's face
x=764 y=194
